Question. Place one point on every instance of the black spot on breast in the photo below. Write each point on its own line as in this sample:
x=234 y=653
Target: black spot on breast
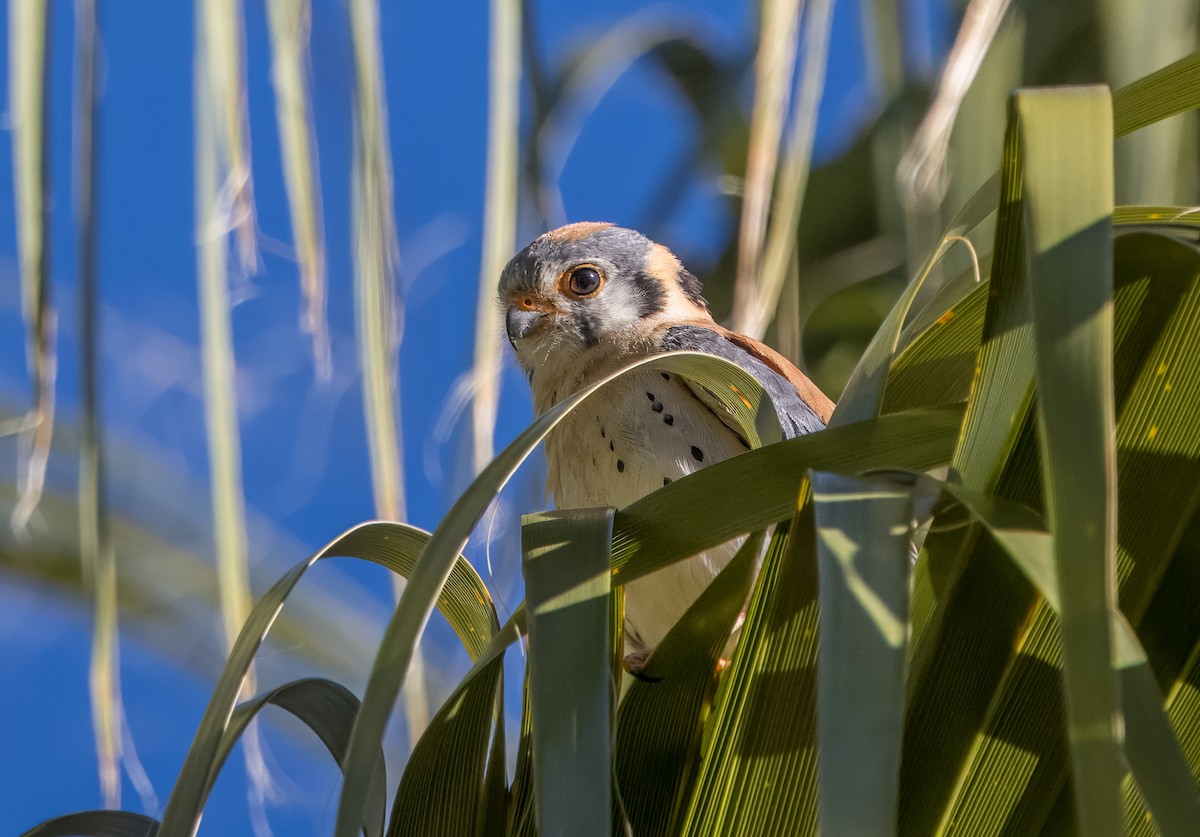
x=648 y=293
x=657 y=407
x=650 y=395
x=666 y=377
x=666 y=480
x=620 y=467
x=692 y=288
x=602 y=434
x=697 y=454
x=610 y=446
x=669 y=419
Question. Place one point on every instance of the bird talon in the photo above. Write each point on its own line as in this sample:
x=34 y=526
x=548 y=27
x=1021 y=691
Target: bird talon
x=634 y=664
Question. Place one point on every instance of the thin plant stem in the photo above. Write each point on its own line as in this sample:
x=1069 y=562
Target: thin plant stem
x=499 y=224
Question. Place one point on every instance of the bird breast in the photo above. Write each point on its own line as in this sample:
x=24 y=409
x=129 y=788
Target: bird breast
x=640 y=433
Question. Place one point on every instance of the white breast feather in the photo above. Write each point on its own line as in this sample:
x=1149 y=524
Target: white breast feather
x=618 y=447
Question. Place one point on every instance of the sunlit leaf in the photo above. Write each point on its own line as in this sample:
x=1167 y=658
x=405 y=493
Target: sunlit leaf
x=443 y=786
x=1068 y=197
x=1152 y=747
x=862 y=545
x=393 y=545
x=567 y=588
x=325 y=707
x=758 y=766
x=660 y=718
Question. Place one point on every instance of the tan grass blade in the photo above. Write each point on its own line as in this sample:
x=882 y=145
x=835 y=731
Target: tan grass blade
x=95 y=544
x=219 y=23
x=376 y=260
x=291 y=21
x=773 y=65
x=780 y=246
x=219 y=102
x=27 y=27
x=500 y=218
x=212 y=240
x=921 y=177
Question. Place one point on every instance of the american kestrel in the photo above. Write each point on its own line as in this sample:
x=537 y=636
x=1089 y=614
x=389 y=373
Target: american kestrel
x=581 y=302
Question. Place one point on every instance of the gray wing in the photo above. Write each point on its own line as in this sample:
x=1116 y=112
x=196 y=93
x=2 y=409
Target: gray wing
x=795 y=416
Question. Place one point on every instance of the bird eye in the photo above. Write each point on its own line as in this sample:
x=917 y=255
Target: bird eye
x=584 y=280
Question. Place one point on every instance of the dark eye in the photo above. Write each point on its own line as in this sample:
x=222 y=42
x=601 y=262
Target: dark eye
x=584 y=280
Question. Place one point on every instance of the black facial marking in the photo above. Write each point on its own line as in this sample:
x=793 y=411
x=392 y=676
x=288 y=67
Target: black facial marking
x=657 y=407
x=666 y=480
x=697 y=454
x=669 y=419
x=691 y=287
x=649 y=293
x=620 y=467
x=587 y=328
x=666 y=377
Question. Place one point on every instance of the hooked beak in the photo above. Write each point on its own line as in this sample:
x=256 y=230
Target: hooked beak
x=519 y=322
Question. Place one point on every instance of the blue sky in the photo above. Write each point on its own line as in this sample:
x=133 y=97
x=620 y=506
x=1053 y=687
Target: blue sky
x=304 y=451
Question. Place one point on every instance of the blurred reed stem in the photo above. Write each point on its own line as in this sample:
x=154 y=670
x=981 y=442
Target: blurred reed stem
x=376 y=260
x=224 y=67
x=773 y=67
x=922 y=175
x=213 y=226
x=376 y=257
x=28 y=22
x=95 y=545
x=779 y=249
x=223 y=206
x=291 y=22
x=499 y=221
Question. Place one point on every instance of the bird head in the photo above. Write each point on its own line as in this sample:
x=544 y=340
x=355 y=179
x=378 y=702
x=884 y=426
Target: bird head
x=593 y=287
